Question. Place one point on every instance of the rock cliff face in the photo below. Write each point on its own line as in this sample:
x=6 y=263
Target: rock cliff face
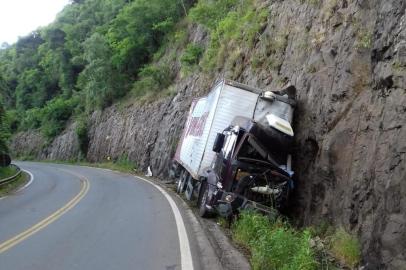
x=347 y=59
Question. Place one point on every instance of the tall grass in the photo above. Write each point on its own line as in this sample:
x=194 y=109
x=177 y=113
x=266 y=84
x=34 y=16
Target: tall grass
x=10 y=187
x=7 y=172
x=346 y=248
x=274 y=245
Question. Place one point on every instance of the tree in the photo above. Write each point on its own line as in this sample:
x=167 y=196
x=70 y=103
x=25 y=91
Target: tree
x=99 y=80
x=95 y=50
x=3 y=132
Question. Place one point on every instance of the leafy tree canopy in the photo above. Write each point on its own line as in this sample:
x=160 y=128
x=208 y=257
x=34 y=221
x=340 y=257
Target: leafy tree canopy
x=88 y=58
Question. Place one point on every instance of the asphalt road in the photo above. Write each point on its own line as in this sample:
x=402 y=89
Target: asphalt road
x=73 y=217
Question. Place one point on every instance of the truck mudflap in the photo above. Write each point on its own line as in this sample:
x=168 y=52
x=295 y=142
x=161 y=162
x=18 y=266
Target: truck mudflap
x=230 y=203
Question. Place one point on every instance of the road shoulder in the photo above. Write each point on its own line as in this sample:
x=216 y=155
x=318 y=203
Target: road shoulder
x=211 y=247
x=17 y=185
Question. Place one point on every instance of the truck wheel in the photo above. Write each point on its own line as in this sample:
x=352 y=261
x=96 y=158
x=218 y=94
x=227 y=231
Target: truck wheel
x=179 y=181
x=182 y=182
x=201 y=201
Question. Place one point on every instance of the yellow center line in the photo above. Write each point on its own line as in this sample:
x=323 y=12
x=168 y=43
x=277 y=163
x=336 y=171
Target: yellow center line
x=84 y=183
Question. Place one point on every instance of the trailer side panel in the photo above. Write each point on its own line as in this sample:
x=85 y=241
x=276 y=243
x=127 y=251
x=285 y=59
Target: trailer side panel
x=194 y=139
x=233 y=101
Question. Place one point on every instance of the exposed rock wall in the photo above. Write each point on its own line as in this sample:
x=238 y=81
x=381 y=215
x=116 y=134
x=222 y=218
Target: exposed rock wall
x=32 y=144
x=348 y=62
x=147 y=134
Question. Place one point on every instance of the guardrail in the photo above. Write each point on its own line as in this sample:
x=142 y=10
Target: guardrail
x=11 y=178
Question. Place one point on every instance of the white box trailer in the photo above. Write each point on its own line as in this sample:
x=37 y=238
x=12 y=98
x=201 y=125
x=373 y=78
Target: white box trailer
x=237 y=143
x=208 y=116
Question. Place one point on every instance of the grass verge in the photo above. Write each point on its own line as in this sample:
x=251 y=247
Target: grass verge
x=12 y=186
x=121 y=164
x=126 y=167
x=274 y=244
x=7 y=172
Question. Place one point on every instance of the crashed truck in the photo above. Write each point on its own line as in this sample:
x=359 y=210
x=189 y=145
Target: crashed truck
x=235 y=150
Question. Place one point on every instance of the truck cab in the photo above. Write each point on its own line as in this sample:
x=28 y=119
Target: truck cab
x=234 y=151
x=247 y=173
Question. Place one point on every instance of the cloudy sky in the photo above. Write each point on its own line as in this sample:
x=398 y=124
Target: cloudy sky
x=20 y=17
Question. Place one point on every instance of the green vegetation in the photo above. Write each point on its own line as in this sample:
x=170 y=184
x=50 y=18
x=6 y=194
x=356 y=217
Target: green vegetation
x=8 y=188
x=95 y=53
x=82 y=134
x=121 y=164
x=98 y=52
x=311 y=2
x=3 y=131
x=7 y=172
x=51 y=118
x=152 y=79
x=274 y=244
x=231 y=24
x=191 y=56
x=345 y=248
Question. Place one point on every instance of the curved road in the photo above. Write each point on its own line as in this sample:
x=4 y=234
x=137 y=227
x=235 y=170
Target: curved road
x=74 y=217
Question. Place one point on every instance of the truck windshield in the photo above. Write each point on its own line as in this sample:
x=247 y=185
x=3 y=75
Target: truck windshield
x=249 y=152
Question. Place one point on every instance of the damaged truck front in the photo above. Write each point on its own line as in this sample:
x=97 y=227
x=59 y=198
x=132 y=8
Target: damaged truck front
x=235 y=149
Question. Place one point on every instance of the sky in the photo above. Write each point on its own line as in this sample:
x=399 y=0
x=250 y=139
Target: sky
x=20 y=17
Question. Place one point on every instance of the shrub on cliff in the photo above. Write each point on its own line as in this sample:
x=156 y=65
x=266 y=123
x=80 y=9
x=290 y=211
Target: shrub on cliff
x=191 y=55
x=82 y=134
x=231 y=24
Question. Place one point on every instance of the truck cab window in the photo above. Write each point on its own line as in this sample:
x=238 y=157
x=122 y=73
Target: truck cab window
x=248 y=151
x=229 y=145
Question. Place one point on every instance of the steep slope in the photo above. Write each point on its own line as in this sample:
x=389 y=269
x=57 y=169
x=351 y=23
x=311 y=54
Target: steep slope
x=348 y=62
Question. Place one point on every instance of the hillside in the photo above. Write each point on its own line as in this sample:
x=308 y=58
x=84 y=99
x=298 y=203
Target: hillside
x=346 y=58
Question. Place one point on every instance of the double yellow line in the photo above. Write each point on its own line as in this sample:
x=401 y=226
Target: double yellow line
x=84 y=183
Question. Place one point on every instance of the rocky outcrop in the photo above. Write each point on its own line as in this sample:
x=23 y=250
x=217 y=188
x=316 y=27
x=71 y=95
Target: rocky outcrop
x=32 y=144
x=147 y=134
x=348 y=62
x=28 y=144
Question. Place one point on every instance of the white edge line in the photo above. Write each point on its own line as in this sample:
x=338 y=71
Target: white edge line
x=23 y=187
x=29 y=182
x=185 y=254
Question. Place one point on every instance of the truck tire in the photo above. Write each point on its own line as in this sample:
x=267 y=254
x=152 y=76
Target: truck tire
x=201 y=201
x=178 y=182
x=180 y=188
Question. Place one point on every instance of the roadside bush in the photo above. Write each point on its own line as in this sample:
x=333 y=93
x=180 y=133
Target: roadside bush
x=274 y=245
x=7 y=171
x=249 y=227
x=125 y=163
x=122 y=164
